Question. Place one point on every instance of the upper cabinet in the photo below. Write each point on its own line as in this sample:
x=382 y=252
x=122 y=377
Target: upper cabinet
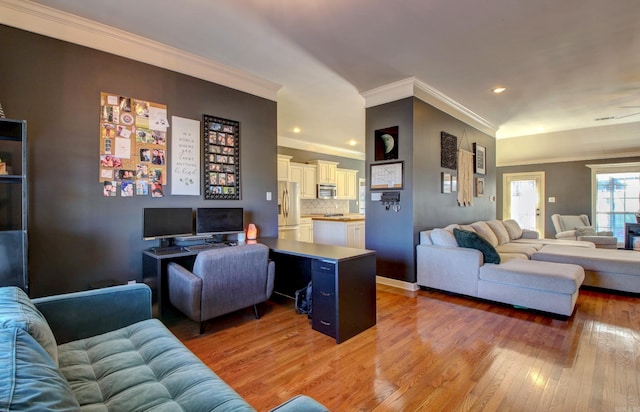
x=326 y=171
x=347 y=184
x=305 y=175
x=283 y=167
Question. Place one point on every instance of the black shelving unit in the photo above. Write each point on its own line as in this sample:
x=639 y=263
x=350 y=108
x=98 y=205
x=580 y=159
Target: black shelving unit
x=631 y=230
x=13 y=204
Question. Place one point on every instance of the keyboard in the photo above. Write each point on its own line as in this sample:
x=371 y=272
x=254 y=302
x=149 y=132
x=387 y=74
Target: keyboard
x=204 y=246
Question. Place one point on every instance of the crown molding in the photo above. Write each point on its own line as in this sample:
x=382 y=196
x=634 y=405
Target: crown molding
x=319 y=148
x=36 y=18
x=413 y=87
x=563 y=159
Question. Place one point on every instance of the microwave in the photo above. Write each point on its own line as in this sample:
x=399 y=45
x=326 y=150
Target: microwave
x=327 y=191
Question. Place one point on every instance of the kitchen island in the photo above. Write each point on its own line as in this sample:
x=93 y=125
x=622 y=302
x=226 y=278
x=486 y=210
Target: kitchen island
x=340 y=230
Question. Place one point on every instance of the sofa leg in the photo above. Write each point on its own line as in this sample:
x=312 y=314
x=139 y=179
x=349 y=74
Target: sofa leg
x=255 y=311
x=202 y=326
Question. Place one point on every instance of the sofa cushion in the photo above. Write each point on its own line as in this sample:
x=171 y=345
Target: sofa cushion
x=522 y=248
x=585 y=231
x=553 y=277
x=513 y=228
x=500 y=231
x=475 y=241
x=442 y=237
x=102 y=370
x=485 y=231
x=29 y=379
x=17 y=310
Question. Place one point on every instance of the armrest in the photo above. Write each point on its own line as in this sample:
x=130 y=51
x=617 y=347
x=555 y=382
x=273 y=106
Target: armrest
x=605 y=233
x=79 y=315
x=271 y=276
x=300 y=403
x=454 y=269
x=567 y=234
x=530 y=234
x=185 y=290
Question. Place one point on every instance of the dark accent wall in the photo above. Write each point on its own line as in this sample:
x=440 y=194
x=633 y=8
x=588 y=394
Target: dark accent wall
x=304 y=156
x=77 y=237
x=568 y=182
x=395 y=235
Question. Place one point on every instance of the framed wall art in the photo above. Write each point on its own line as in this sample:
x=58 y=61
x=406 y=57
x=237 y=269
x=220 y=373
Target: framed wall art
x=445 y=182
x=480 y=153
x=386 y=144
x=479 y=186
x=387 y=176
x=448 y=151
x=221 y=151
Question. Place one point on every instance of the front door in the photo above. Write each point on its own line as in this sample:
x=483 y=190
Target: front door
x=524 y=200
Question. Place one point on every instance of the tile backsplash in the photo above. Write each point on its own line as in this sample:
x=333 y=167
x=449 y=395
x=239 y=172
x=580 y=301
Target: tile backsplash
x=322 y=206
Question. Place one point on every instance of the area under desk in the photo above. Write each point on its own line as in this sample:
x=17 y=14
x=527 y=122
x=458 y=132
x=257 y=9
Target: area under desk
x=344 y=284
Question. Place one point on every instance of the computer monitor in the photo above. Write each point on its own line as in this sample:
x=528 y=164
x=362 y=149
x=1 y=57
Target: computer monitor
x=216 y=221
x=166 y=223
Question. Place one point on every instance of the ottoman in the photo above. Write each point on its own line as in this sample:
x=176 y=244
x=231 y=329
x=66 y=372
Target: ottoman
x=603 y=268
x=544 y=286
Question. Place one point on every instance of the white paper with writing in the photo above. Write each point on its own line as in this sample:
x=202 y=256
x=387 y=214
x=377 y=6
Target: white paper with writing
x=185 y=157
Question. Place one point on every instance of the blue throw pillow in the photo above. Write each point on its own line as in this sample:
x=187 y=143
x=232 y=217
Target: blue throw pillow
x=472 y=240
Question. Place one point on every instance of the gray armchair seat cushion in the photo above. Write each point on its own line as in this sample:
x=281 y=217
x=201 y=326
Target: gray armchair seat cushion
x=577 y=227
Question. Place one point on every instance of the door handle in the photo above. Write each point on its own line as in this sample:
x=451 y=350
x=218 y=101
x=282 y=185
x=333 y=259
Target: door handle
x=537 y=211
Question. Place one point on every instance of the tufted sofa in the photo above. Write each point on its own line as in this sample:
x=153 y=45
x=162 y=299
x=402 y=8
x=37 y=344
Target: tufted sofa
x=100 y=350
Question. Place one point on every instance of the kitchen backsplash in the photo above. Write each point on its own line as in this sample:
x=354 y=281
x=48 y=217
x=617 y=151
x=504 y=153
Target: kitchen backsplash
x=322 y=206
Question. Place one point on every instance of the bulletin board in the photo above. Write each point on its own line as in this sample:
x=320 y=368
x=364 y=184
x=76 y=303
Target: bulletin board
x=133 y=146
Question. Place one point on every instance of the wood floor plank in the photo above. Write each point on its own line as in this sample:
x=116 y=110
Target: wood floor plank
x=432 y=351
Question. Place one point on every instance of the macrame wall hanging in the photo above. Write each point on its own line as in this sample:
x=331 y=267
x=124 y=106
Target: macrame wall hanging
x=465 y=173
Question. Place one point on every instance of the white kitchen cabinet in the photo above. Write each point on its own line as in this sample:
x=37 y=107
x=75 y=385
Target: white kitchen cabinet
x=284 y=162
x=339 y=233
x=326 y=171
x=305 y=175
x=305 y=230
x=347 y=184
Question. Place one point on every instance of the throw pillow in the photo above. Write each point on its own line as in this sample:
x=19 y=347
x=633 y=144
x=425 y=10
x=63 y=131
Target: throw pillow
x=483 y=229
x=514 y=229
x=500 y=231
x=441 y=237
x=585 y=231
x=473 y=240
x=17 y=310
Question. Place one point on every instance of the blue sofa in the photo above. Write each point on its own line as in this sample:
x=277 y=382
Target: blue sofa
x=101 y=350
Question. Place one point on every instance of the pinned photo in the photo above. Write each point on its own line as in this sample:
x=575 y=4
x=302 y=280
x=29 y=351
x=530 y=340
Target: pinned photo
x=124 y=174
x=109 y=189
x=145 y=155
x=158 y=137
x=144 y=135
x=157 y=157
x=142 y=108
x=142 y=187
x=215 y=126
x=142 y=171
x=156 y=190
x=227 y=129
x=126 y=189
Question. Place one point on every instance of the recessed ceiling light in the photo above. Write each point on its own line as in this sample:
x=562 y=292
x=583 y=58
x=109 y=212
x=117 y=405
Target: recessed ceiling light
x=353 y=142
x=296 y=130
x=499 y=90
x=540 y=129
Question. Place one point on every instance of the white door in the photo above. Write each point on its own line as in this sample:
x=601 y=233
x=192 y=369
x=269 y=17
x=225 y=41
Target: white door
x=523 y=199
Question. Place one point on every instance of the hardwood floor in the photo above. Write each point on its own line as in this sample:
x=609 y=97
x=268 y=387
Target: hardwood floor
x=432 y=351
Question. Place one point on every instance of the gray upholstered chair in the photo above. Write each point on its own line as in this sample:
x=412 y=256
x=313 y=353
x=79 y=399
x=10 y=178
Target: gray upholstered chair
x=223 y=280
x=578 y=228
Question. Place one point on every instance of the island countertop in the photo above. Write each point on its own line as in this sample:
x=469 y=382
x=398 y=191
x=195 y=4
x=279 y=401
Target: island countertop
x=353 y=217
x=314 y=250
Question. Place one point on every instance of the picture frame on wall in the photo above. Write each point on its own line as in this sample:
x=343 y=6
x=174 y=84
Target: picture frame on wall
x=479 y=186
x=387 y=176
x=454 y=183
x=445 y=182
x=480 y=154
x=386 y=143
x=221 y=152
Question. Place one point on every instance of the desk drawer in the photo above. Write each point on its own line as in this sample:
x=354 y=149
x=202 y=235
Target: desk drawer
x=322 y=266
x=324 y=317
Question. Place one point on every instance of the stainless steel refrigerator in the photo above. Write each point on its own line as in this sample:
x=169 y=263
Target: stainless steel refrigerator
x=288 y=210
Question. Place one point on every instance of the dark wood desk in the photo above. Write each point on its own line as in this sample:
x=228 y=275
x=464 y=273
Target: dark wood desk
x=344 y=281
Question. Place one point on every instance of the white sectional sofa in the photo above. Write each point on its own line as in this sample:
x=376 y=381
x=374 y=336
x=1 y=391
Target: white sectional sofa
x=541 y=274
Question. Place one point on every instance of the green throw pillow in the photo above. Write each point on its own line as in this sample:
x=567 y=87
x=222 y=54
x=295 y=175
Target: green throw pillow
x=473 y=240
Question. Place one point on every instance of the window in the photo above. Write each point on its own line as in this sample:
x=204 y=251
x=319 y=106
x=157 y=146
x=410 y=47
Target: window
x=616 y=196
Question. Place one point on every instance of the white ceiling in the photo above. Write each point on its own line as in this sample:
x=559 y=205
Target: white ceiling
x=564 y=63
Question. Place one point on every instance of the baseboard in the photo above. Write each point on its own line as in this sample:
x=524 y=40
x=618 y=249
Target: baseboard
x=400 y=284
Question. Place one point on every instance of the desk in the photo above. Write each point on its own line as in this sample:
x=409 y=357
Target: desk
x=344 y=283
x=344 y=279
